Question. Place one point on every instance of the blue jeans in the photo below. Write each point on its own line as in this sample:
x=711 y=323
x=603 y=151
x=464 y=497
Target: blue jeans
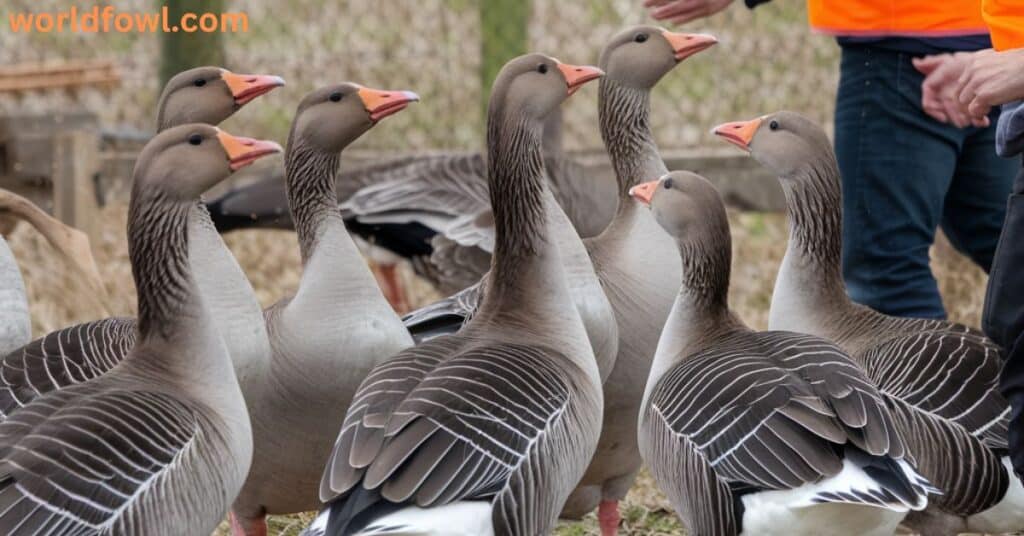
x=904 y=174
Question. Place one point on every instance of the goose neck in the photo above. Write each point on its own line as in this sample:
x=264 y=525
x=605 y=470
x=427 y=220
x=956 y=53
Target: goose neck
x=310 y=180
x=624 y=114
x=517 y=190
x=810 y=282
x=158 y=250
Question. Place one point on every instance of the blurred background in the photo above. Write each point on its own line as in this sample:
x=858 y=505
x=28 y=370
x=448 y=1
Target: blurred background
x=448 y=52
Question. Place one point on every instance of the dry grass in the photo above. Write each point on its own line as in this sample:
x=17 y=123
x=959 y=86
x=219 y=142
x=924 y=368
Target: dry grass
x=271 y=260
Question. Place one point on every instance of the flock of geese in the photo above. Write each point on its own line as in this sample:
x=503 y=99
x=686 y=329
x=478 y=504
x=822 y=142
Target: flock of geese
x=591 y=341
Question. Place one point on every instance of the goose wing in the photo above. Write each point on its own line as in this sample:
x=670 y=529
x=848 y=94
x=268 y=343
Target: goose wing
x=452 y=184
x=755 y=423
x=455 y=419
x=952 y=374
x=81 y=460
x=444 y=316
x=61 y=358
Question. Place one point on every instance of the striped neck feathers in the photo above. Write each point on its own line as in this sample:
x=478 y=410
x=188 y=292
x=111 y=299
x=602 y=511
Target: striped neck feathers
x=814 y=205
x=310 y=180
x=516 y=182
x=706 y=263
x=624 y=114
x=158 y=250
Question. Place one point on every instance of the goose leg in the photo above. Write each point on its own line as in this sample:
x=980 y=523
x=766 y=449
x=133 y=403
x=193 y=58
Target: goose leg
x=387 y=277
x=246 y=526
x=608 y=517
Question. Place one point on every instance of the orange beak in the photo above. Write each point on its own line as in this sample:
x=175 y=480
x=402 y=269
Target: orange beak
x=246 y=87
x=739 y=133
x=380 y=103
x=686 y=45
x=644 y=192
x=577 y=75
x=244 y=151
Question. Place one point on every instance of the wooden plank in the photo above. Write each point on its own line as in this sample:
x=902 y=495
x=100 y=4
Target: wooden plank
x=69 y=75
x=75 y=165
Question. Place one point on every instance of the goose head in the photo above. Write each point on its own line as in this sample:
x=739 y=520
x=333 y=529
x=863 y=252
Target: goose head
x=685 y=204
x=210 y=95
x=211 y=154
x=640 y=56
x=332 y=117
x=787 y=143
x=533 y=85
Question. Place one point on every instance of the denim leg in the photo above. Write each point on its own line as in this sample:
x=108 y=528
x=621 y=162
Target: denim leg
x=897 y=164
x=976 y=201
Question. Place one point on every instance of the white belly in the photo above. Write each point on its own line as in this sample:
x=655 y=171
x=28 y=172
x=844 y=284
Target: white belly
x=1007 y=515
x=766 y=516
x=468 y=518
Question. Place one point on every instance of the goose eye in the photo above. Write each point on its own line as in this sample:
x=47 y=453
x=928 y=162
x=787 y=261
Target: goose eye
x=335 y=97
x=199 y=82
x=542 y=68
x=668 y=183
x=640 y=38
x=195 y=139
x=774 y=125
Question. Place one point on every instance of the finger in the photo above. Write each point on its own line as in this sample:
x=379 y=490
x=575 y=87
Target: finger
x=688 y=16
x=676 y=9
x=934 y=110
x=956 y=115
x=655 y=3
x=927 y=64
x=978 y=107
x=981 y=122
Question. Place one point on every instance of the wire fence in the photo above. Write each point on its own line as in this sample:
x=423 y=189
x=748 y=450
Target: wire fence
x=767 y=60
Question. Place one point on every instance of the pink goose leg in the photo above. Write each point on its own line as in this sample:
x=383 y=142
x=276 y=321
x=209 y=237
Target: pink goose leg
x=608 y=517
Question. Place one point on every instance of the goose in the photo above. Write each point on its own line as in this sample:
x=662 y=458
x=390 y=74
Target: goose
x=73 y=246
x=487 y=430
x=161 y=443
x=760 y=432
x=336 y=327
x=82 y=352
x=945 y=374
x=623 y=257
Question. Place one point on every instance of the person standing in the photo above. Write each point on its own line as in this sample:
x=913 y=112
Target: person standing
x=906 y=170
x=988 y=79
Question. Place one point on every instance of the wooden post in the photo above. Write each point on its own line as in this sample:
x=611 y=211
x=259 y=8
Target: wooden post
x=504 y=35
x=184 y=50
x=75 y=165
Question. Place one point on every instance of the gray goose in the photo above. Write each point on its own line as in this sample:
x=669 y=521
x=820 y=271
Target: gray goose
x=73 y=246
x=161 y=443
x=943 y=375
x=622 y=256
x=328 y=336
x=79 y=353
x=485 y=431
x=760 y=432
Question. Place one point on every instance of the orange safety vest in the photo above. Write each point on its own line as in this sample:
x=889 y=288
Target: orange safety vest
x=1005 y=20
x=913 y=18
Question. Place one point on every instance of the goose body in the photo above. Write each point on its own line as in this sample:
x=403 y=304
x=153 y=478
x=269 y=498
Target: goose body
x=85 y=351
x=161 y=443
x=941 y=377
x=496 y=423
x=760 y=432
x=328 y=336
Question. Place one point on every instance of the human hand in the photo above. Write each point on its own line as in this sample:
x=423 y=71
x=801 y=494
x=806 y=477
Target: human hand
x=939 y=89
x=681 y=11
x=991 y=78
